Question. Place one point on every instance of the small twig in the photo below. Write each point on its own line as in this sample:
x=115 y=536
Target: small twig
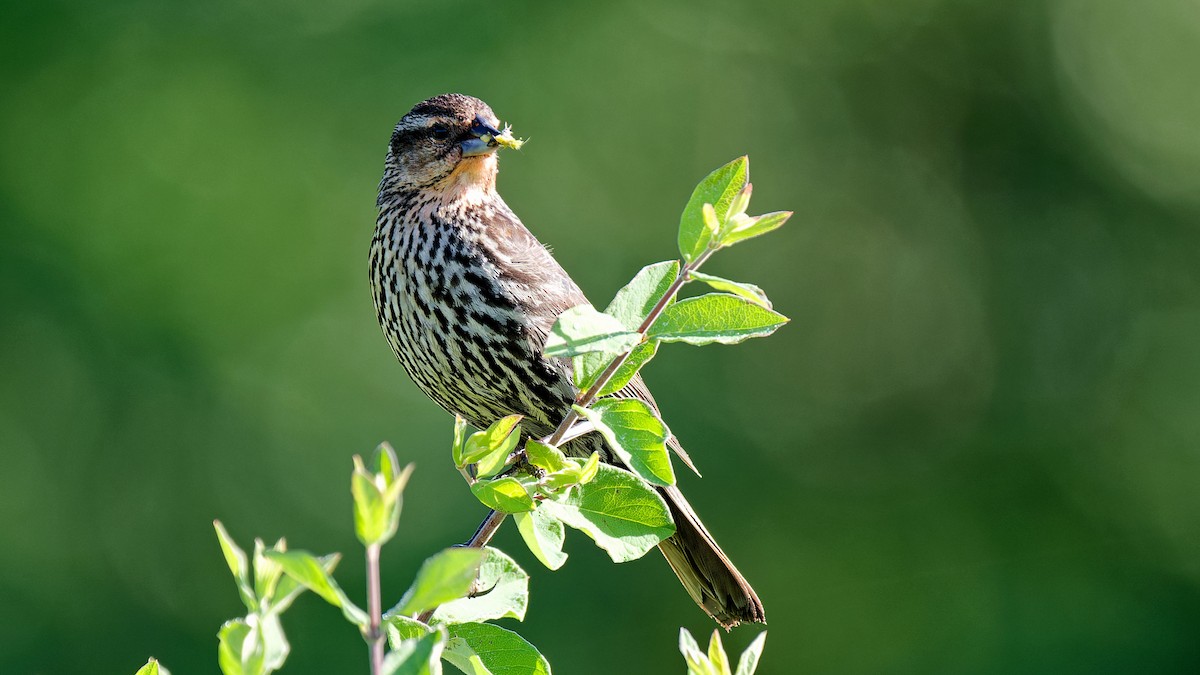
x=374 y=636
x=579 y=429
x=486 y=529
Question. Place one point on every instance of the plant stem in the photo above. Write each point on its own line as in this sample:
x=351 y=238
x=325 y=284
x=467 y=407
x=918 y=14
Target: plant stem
x=374 y=635
x=486 y=529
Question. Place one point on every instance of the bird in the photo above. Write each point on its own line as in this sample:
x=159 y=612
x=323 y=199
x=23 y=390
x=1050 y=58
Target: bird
x=466 y=296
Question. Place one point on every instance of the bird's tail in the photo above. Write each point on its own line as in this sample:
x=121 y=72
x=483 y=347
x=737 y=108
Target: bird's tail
x=706 y=572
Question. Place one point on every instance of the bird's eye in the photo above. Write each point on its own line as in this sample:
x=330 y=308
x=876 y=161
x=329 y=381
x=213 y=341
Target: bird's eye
x=440 y=131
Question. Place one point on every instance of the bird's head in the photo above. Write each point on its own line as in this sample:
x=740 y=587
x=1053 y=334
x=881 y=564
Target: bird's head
x=446 y=143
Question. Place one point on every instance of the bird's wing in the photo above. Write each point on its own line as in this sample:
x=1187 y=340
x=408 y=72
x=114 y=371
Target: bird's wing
x=542 y=286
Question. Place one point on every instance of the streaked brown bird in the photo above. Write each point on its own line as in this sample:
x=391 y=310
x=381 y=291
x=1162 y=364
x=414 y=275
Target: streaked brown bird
x=466 y=297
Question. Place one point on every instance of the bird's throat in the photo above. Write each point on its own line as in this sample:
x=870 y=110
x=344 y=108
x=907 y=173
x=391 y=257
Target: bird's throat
x=473 y=181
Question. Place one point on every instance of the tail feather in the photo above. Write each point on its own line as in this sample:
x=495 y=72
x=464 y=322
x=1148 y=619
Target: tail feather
x=704 y=569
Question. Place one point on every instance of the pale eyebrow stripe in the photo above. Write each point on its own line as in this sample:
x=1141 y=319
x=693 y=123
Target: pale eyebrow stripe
x=417 y=122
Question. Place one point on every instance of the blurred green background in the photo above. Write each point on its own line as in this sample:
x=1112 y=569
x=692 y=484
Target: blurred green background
x=976 y=448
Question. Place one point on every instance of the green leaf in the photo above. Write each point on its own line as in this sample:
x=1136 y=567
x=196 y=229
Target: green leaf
x=400 y=628
x=636 y=434
x=386 y=463
x=314 y=574
x=503 y=494
x=289 y=588
x=546 y=457
x=394 y=495
x=587 y=473
x=709 y=213
x=460 y=439
x=741 y=202
x=376 y=508
x=582 y=329
x=748 y=663
x=755 y=227
x=720 y=188
x=419 y=656
x=307 y=570
x=238 y=651
x=476 y=665
x=491 y=447
x=498 y=434
x=567 y=476
x=235 y=557
x=697 y=662
x=275 y=644
x=498 y=651
x=254 y=645
x=445 y=576
x=639 y=357
x=619 y=511
x=588 y=367
x=741 y=289
x=585 y=368
x=572 y=473
x=716 y=317
x=266 y=571
x=716 y=654
x=544 y=535
x=687 y=643
x=152 y=668
x=632 y=304
x=501 y=589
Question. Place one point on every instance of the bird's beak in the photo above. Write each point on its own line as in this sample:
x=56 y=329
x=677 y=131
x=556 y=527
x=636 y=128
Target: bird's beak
x=485 y=138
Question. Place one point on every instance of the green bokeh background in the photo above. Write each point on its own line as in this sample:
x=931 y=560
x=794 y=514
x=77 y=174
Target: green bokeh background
x=976 y=448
